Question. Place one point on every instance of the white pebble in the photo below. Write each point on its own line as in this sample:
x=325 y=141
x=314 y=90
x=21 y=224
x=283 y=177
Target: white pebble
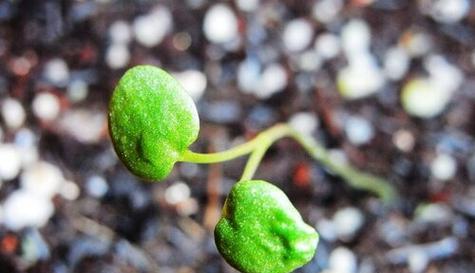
x=220 y=24
x=449 y=11
x=178 y=192
x=443 y=167
x=326 y=11
x=304 y=122
x=396 y=63
x=326 y=228
x=42 y=178
x=444 y=74
x=358 y=130
x=355 y=37
x=151 y=28
x=247 y=5
x=418 y=261
x=77 y=90
x=342 y=260
x=193 y=81
x=248 y=75
x=404 y=140
x=273 y=80
x=361 y=78
x=97 y=186
x=423 y=98
x=120 y=32
x=86 y=126
x=69 y=190
x=347 y=222
x=309 y=60
x=434 y=213
x=327 y=45
x=46 y=106
x=57 y=72
x=10 y=159
x=24 y=208
x=416 y=43
x=13 y=113
x=297 y=35
x=117 y=56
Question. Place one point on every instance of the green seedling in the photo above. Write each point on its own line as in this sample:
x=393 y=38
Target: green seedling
x=153 y=122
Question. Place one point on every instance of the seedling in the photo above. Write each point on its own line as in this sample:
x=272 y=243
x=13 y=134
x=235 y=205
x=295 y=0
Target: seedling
x=153 y=122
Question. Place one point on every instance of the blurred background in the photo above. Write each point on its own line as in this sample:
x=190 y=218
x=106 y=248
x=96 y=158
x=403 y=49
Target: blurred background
x=387 y=85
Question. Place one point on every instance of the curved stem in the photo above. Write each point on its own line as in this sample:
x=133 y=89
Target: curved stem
x=259 y=145
x=253 y=162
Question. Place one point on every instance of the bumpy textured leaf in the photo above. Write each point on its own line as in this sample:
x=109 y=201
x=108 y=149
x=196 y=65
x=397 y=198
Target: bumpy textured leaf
x=152 y=121
x=261 y=232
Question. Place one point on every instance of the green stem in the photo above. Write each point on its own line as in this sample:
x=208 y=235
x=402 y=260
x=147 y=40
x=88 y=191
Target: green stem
x=259 y=145
x=253 y=162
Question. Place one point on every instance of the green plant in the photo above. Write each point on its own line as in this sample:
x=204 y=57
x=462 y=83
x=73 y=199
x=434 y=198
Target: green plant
x=153 y=122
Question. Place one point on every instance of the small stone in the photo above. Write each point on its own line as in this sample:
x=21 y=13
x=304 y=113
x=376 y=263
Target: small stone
x=193 y=81
x=326 y=11
x=42 y=178
x=304 y=122
x=449 y=11
x=416 y=43
x=151 y=28
x=326 y=228
x=418 y=261
x=423 y=98
x=182 y=41
x=34 y=247
x=404 y=140
x=97 y=186
x=178 y=192
x=56 y=71
x=297 y=35
x=13 y=113
x=442 y=73
x=358 y=130
x=84 y=125
x=443 y=167
x=248 y=74
x=347 y=221
x=310 y=61
x=434 y=213
x=77 y=90
x=396 y=63
x=46 y=106
x=355 y=37
x=117 y=56
x=273 y=80
x=24 y=208
x=220 y=24
x=10 y=159
x=342 y=260
x=327 y=45
x=247 y=5
x=361 y=78
x=69 y=190
x=120 y=32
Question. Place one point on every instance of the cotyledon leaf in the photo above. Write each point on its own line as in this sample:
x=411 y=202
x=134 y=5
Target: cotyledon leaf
x=152 y=121
x=260 y=231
